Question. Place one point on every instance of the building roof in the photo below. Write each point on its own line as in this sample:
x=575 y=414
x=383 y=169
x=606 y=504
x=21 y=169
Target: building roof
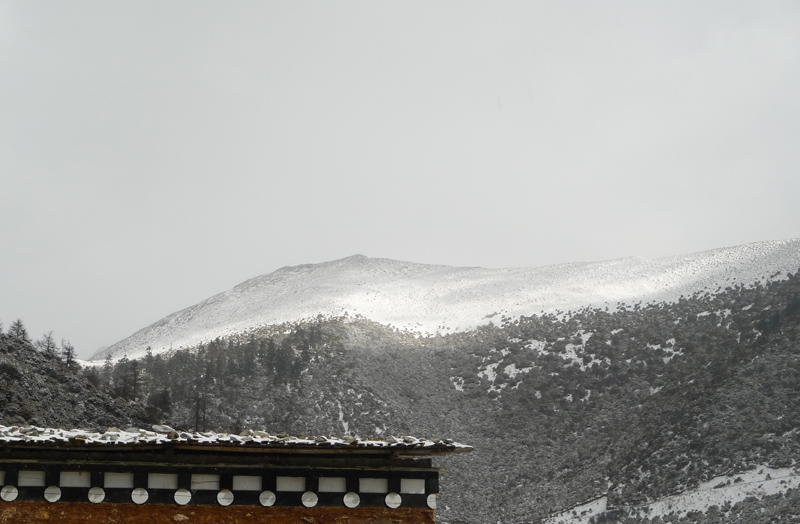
x=249 y=440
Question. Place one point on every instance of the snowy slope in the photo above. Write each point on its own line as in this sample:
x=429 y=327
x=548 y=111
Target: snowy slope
x=721 y=491
x=430 y=298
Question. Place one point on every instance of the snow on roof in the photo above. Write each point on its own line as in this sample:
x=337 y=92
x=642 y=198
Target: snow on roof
x=250 y=438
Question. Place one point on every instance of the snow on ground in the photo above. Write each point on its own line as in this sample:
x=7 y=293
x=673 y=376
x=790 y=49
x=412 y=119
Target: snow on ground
x=431 y=299
x=579 y=514
x=512 y=371
x=731 y=489
x=719 y=491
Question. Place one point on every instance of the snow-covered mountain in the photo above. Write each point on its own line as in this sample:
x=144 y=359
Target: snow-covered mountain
x=435 y=298
x=673 y=410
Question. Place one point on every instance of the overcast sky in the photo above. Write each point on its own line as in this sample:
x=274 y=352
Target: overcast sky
x=155 y=153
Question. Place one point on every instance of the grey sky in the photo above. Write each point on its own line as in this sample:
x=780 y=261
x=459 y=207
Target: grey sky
x=155 y=153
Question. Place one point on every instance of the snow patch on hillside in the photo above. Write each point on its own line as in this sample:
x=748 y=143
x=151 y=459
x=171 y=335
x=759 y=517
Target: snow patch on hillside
x=579 y=514
x=729 y=489
x=512 y=371
x=723 y=492
x=432 y=298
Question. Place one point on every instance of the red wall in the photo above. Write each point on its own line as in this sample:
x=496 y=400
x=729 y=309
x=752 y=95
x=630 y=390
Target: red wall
x=27 y=512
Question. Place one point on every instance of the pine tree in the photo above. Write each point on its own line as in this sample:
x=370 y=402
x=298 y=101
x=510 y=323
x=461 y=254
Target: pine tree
x=121 y=377
x=200 y=411
x=271 y=356
x=164 y=401
x=135 y=375
x=149 y=362
x=68 y=354
x=46 y=344
x=284 y=359
x=108 y=370
x=17 y=331
x=159 y=405
x=93 y=376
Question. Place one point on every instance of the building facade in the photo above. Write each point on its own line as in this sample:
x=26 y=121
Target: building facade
x=51 y=475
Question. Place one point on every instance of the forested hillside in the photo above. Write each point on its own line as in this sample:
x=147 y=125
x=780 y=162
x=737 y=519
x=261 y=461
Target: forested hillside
x=39 y=386
x=633 y=404
x=638 y=403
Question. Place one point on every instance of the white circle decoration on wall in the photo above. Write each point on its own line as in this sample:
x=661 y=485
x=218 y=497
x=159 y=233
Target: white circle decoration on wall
x=139 y=495
x=352 y=500
x=267 y=498
x=432 y=501
x=225 y=497
x=309 y=499
x=52 y=494
x=96 y=495
x=393 y=500
x=9 y=493
x=183 y=496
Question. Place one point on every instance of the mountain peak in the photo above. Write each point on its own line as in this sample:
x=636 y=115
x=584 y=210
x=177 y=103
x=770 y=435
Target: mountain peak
x=433 y=298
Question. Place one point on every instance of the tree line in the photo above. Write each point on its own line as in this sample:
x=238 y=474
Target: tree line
x=47 y=344
x=190 y=388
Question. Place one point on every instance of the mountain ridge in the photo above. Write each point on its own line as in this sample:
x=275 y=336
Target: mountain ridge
x=430 y=298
